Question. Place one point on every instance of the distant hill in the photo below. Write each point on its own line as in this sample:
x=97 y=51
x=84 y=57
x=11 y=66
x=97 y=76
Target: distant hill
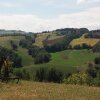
x=59 y=35
x=82 y=39
x=11 y=32
x=93 y=34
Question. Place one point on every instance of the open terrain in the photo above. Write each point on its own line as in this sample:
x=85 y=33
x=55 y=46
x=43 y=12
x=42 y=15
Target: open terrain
x=5 y=40
x=42 y=36
x=81 y=40
x=47 y=91
x=64 y=60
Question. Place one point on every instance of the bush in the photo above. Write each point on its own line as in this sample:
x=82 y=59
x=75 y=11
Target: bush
x=91 y=70
x=14 y=57
x=97 y=60
x=40 y=74
x=77 y=78
x=13 y=45
x=42 y=58
x=25 y=75
x=50 y=75
x=18 y=73
x=54 y=75
x=96 y=48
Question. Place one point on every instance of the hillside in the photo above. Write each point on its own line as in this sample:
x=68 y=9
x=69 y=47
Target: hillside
x=82 y=39
x=10 y=32
x=5 y=42
x=66 y=61
x=42 y=36
x=47 y=91
x=63 y=60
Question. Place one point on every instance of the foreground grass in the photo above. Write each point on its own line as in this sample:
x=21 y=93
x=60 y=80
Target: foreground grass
x=47 y=91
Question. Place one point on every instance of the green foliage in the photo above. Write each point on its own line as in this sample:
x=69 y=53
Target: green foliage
x=70 y=34
x=97 y=60
x=13 y=45
x=83 y=46
x=15 y=58
x=97 y=79
x=39 y=54
x=49 y=75
x=40 y=74
x=42 y=57
x=96 y=48
x=25 y=75
x=54 y=75
x=77 y=78
x=93 y=34
x=7 y=68
x=91 y=70
x=27 y=42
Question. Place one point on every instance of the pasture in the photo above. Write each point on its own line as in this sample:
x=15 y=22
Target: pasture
x=42 y=36
x=81 y=40
x=5 y=40
x=66 y=61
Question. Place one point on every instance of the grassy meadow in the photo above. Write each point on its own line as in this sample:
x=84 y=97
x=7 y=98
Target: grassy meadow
x=47 y=91
x=64 y=60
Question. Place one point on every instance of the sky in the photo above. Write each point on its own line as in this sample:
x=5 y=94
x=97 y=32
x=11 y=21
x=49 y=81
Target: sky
x=45 y=15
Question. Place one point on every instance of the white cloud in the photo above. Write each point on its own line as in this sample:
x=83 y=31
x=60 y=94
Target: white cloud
x=81 y=1
x=89 y=18
x=87 y=1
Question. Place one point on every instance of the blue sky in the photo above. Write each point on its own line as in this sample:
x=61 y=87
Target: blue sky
x=40 y=15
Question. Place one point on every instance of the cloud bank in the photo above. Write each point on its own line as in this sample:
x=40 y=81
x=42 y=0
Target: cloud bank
x=87 y=1
x=89 y=18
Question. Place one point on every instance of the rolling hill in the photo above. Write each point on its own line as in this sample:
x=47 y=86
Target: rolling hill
x=64 y=60
x=49 y=36
x=5 y=42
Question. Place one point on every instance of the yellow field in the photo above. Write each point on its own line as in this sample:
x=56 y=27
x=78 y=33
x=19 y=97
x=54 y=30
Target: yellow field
x=47 y=91
x=81 y=40
x=43 y=36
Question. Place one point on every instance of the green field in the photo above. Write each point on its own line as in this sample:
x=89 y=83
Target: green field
x=64 y=60
x=47 y=91
x=67 y=60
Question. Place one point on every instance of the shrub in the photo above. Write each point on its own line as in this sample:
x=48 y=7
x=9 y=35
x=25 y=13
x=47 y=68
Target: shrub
x=25 y=75
x=54 y=75
x=96 y=47
x=97 y=60
x=42 y=58
x=91 y=70
x=77 y=78
x=49 y=75
x=96 y=81
x=40 y=74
